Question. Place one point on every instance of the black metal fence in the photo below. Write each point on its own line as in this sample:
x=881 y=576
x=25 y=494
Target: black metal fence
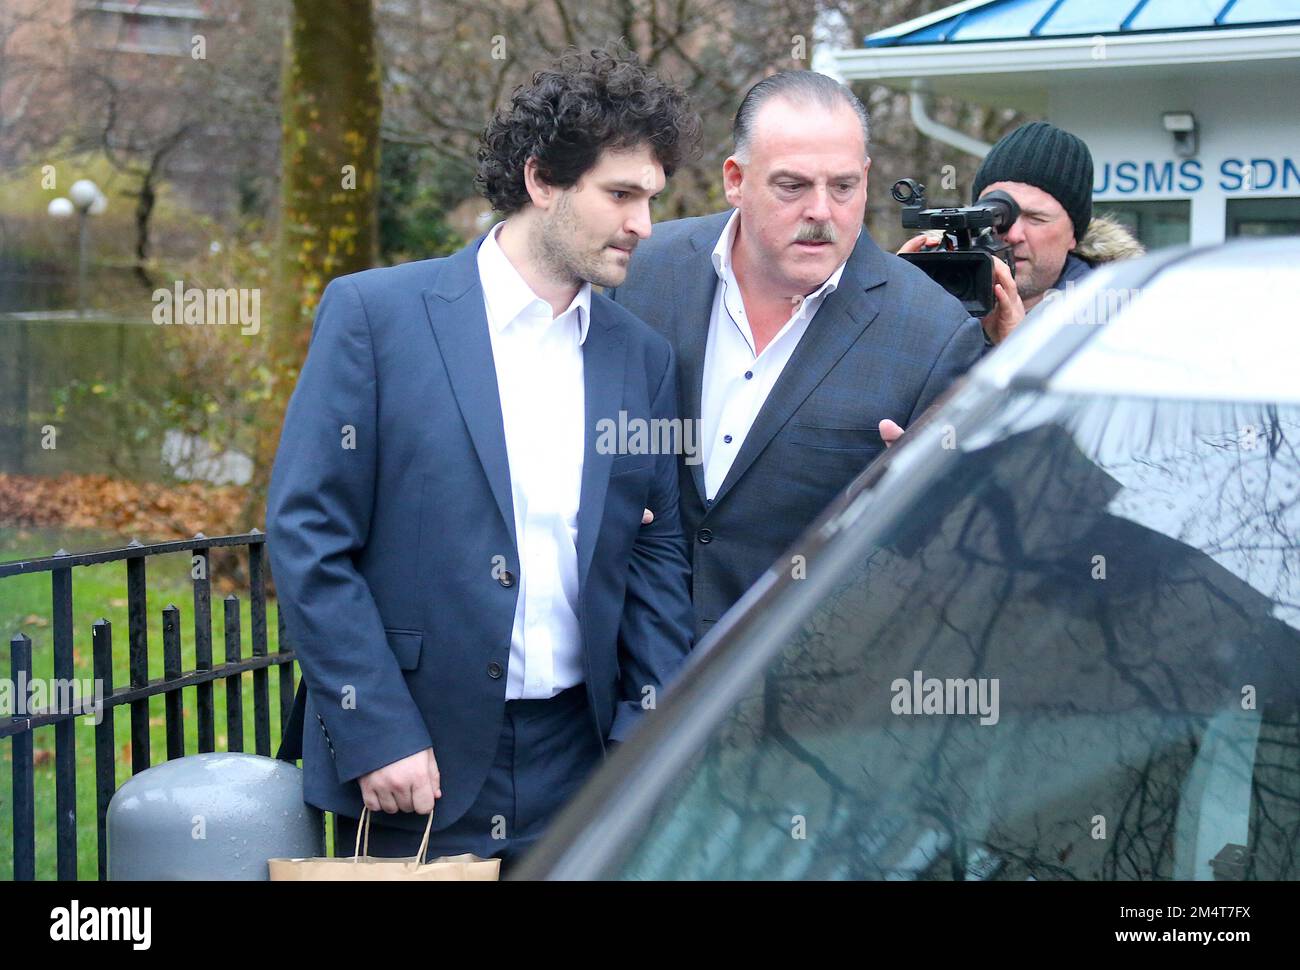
x=137 y=693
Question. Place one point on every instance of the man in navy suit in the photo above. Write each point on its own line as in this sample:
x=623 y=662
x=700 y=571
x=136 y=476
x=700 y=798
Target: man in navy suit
x=801 y=346
x=477 y=607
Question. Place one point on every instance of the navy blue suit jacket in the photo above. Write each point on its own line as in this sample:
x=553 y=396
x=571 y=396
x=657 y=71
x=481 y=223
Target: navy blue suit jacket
x=392 y=539
x=885 y=344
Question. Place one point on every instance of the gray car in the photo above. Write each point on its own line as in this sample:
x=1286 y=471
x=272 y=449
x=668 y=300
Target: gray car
x=1052 y=634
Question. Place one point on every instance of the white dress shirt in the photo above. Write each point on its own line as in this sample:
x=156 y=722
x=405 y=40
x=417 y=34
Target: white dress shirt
x=736 y=379
x=539 y=380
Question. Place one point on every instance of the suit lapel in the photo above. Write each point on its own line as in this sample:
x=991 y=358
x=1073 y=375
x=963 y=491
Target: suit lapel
x=838 y=323
x=604 y=354
x=695 y=282
x=459 y=321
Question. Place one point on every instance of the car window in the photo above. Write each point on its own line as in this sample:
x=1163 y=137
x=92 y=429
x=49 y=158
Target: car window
x=1074 y=655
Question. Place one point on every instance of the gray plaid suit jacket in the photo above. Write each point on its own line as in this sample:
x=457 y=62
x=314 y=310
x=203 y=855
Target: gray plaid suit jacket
x=885 y=344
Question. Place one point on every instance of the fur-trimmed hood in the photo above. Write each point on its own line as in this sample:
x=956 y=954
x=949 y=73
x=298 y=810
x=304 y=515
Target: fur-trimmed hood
x=1106 y=241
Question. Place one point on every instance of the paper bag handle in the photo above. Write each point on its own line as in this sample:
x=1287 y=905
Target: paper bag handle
x=363 y=823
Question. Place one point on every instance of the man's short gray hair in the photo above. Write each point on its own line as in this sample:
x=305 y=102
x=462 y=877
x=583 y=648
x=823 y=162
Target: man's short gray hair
x=799 y=86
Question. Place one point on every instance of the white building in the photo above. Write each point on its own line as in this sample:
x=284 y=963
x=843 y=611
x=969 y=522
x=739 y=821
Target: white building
x=1191 y=107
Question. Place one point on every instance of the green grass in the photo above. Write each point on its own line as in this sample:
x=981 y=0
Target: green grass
x=100 y=591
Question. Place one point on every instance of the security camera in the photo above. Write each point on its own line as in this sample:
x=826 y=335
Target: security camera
x=1182 y=125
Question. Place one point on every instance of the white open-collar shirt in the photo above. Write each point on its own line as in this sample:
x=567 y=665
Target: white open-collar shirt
x=539 y=373
x=737 y=380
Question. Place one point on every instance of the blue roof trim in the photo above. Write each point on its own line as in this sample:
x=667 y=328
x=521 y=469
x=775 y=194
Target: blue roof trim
x=986 y=22
x=956 y=25
x=1132 y=15
x=1042 y=21
x=1218 y=20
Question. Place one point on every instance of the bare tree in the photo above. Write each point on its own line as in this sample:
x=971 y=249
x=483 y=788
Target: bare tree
x=450 y=63
x=175 y=115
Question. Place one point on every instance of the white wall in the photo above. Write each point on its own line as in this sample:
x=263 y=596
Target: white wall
x=1245 y=112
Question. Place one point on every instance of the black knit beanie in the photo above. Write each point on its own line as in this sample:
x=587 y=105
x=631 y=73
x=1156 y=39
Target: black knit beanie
x=1040 y=154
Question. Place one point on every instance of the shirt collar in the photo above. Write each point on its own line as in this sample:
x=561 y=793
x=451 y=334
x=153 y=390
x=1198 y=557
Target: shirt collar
x=507 y=294
x=722 y=262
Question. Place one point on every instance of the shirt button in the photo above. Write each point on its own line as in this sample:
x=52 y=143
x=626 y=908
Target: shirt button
x=705 y=535
x=506 y=579
x=727 y=438
x=494 y=670
x=749 y=375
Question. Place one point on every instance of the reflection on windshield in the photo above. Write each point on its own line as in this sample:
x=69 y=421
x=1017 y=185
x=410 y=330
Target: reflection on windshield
x=1218 y=477
x=1121 y=577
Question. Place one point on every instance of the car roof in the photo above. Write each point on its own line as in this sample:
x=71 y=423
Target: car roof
x=1218 y=323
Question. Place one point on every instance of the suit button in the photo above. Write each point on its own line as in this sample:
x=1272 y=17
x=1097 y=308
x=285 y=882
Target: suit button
x=494 y=670
x=506 y=579
x=705 y=535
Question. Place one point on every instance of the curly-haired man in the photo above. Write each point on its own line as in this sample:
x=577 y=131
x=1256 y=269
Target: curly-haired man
x=479 y=607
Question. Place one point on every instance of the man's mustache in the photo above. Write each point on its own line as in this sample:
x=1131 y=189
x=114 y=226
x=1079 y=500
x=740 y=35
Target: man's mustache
x=816 y=232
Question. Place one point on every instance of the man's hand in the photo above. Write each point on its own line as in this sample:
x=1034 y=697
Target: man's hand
x=929 y=238
x=1008 y=313
x=409 y=785
x=647 y=517
x=890 y=432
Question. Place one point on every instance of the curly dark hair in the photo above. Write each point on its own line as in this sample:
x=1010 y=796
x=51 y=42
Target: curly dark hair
x=573 y=110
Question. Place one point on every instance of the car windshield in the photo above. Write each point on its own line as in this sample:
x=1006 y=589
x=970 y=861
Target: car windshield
x=1073 y=655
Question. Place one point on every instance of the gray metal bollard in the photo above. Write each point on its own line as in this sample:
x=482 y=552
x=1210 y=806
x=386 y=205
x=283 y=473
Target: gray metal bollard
x=211 y=816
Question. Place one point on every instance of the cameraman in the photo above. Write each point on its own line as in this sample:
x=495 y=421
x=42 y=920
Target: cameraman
x=1048 y=171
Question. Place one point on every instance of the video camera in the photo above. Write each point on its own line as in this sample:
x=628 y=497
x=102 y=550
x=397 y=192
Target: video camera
x=965 y=267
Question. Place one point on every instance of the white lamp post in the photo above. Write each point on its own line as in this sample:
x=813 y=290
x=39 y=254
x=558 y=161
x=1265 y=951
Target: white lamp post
x=85 y=200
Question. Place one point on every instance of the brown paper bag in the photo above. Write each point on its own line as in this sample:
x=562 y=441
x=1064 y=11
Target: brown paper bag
x=364 y=868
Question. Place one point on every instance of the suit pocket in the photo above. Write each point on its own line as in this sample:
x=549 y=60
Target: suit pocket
x=834 y=439
x=630 y=464
x=406 y=646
